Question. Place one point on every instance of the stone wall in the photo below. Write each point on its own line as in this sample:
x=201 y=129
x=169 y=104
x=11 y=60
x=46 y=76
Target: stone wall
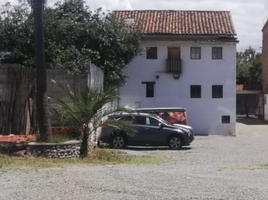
x=69 y=149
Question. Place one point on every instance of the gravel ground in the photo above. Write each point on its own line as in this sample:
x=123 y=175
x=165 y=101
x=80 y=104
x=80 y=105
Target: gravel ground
x=215 y=167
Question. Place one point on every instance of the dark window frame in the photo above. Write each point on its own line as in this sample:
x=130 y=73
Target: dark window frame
x=195 y=91
x=151 y=53
x=217 y=53
x=149 y=91
x=217 y=91
x=195 y=53
x=225 y=119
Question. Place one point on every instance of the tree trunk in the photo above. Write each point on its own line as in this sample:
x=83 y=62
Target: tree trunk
x=43 y=119
x=85 y=143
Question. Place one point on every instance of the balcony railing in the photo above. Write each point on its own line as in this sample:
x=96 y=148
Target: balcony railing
x=174 y=66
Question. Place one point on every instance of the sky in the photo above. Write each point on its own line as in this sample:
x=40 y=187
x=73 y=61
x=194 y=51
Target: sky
x=249 y=16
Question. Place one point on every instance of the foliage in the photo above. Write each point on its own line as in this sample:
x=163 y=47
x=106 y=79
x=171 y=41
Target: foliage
x=249 y=67
x=74 y=35
x=88 y=111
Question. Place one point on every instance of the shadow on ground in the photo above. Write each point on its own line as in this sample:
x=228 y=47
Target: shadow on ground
x=252 y=120
x=153 y=148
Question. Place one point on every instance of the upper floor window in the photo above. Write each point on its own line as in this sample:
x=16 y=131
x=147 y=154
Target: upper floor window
x=195 y=91
x=216 y=52
x=195 y=52
x=217 y=91
x=151 y=53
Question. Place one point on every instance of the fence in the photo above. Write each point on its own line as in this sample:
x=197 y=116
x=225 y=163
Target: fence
x=17 y=94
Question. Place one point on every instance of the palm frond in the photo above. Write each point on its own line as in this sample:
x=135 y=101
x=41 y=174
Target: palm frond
x=121 y=125
x=89 y=108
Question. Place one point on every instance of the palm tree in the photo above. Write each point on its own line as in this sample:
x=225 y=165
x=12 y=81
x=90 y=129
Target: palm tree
x=43 y=119
x=88 y=112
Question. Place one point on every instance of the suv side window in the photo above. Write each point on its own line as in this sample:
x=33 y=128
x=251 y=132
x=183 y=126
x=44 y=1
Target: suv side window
x=151 y=121
x=140 y=120
x=128 y=119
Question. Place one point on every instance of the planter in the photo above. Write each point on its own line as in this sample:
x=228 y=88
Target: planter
x=11 y=147
x=68 y=149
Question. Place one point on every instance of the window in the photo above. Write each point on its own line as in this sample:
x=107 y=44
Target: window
x=217 y=91
x=140 y=120
x=216 y=52
x=225 y=119
x=195 y=52
x=195 y=91
x=151 y=53
x=129 y=119
x=151 y=121
x=149 y=89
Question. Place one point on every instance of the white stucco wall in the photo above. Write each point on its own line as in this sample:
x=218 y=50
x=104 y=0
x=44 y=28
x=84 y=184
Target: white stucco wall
x=204 y=114
x=266 y=107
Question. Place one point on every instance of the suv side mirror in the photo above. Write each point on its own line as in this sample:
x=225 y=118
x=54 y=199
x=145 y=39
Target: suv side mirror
x=161 y=125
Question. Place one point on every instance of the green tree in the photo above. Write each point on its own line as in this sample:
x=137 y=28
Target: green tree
x=249 y=67
x=87 y=112
x=249 y=71
x=74 y=36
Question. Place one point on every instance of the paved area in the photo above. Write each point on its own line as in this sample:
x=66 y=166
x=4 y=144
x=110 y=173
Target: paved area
x=215 y=167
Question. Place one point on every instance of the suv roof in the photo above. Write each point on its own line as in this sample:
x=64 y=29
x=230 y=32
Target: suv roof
x=164 y=109
x=135 y=114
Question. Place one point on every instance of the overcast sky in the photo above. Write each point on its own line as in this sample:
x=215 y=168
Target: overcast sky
x=249 y=16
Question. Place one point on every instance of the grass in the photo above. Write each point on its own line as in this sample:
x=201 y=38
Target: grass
x=260 y=167
x=98 y=156
x=263 y=167
x=58 y=138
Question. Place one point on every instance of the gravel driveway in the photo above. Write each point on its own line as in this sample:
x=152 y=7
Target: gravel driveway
x=215 y=167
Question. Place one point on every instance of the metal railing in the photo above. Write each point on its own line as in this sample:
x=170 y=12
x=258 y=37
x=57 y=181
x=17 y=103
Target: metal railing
x=174 y=66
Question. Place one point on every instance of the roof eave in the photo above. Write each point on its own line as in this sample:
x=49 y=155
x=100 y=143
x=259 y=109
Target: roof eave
x=264 y=26
x=222 y=38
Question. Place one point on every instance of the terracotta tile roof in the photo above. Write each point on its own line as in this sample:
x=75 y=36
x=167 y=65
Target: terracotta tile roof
x=172 y=22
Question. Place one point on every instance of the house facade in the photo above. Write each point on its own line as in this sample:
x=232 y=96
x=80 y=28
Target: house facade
x=265 y=70
x=189 y=60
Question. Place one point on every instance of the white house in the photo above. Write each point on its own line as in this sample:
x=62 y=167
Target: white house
x=189 y=61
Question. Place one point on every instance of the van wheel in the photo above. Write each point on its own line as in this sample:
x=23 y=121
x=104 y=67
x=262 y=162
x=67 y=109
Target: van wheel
x=118 y=142
x=174 y=142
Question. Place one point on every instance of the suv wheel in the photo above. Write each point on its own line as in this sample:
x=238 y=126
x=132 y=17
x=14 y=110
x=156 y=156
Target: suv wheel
x=174 y=142
x=118 y=142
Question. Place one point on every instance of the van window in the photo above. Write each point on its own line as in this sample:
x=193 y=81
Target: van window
x=170 y=115
x=174 y=117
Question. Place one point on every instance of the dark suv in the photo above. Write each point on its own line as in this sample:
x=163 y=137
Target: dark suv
x=149 y=130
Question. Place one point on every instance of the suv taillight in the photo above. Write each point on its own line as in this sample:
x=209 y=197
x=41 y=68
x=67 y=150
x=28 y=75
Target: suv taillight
x=104 y=126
